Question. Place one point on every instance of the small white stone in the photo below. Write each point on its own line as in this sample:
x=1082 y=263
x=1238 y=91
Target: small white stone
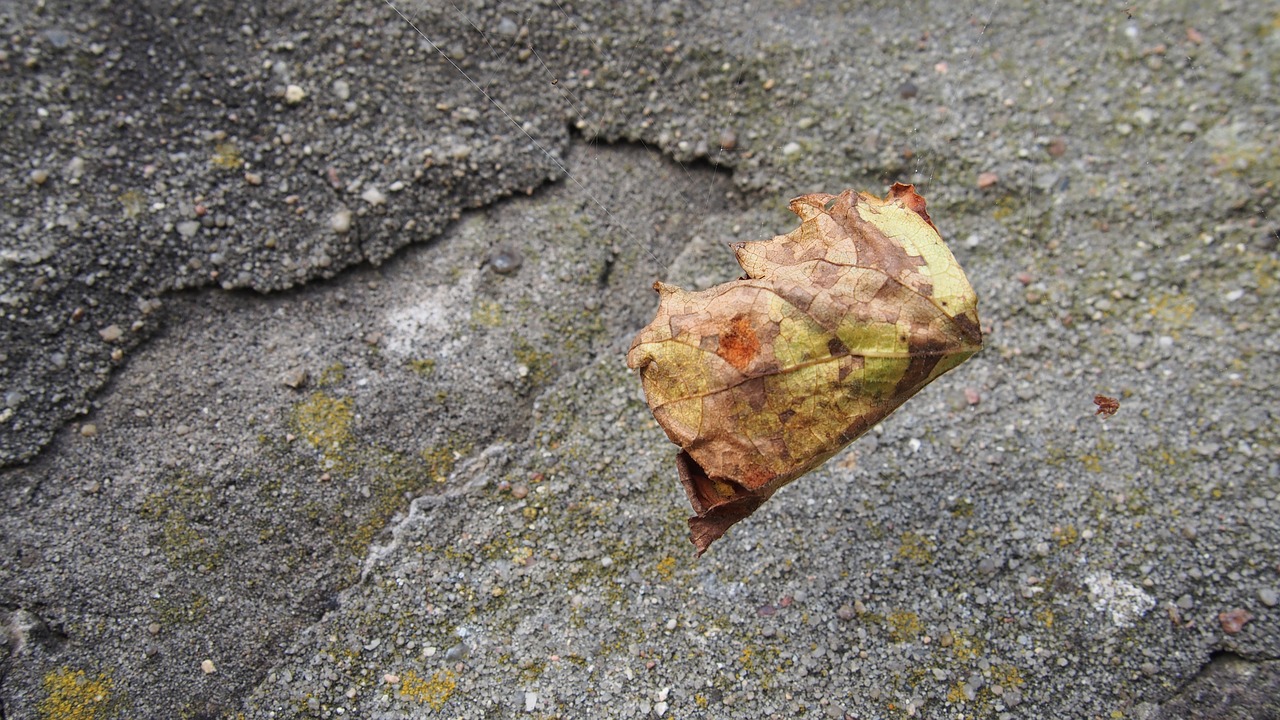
x=340 y=221
x=530 y=701
x=373 y=196
x=294 y=94
x=791 y=148
x=208 y=668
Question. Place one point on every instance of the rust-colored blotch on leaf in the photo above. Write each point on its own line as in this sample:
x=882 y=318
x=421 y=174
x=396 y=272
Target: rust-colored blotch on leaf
x=833 y=326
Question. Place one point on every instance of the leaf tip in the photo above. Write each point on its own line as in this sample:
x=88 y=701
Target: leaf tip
x=906 y=194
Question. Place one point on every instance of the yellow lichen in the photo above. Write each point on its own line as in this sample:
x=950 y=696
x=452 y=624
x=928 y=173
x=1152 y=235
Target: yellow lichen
x=1066 y=535
x=916 y=548
x=333 y=375
x=324 y=422
x=71 y=695
x=1006 y=675
x=134 y=203
x=1172 y=310
x=666 y=566
x=537 y=364
x=227 y=156
x=435 y=691
x=486 y=314
x=440 y=459
x=424 y=367
x=904 y=626
x=965 y=646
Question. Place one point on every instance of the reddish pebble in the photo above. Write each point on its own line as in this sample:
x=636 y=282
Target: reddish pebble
x=971 y=396
x=1194 y=35
x=1233 y=620
x=519 y=492
x=1025 y=278
x=987 y=179
x=1057 y=147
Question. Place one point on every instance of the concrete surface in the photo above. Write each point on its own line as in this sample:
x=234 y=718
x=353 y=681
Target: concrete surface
x=304 y=415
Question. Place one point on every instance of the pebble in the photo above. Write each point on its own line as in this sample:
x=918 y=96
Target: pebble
x=530 y=701
x=373 y=196
x=728 y=140
x=342 y=90
x=207 y=667
x=457 y=652
x=188 y=228
x=908 y=90
x=340 y=222
x=295 y=378
x=39 y=177
x=253 y=178
x=987 y=179
x=1267 y=596
x=520 y=492
x=294 y=94
x=845 y=612
x=111 y=333
x=88 y=430
x=74 y=168
x=507 y=26
x=505 y=261
x=791 y=148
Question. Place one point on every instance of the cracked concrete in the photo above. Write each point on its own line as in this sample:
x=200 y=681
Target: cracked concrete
x=309 y=410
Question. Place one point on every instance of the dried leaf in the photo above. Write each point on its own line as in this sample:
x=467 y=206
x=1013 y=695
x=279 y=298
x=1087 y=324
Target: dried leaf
x=1107 y=406
x=1233 y=620
x=834 y=325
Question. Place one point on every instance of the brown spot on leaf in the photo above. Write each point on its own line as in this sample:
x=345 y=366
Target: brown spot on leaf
x=738 y=343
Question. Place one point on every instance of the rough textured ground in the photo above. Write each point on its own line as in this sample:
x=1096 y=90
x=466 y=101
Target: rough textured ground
x=304 y=416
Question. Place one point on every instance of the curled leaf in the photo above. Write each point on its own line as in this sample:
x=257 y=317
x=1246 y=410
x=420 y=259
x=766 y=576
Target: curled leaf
x=833 y=326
